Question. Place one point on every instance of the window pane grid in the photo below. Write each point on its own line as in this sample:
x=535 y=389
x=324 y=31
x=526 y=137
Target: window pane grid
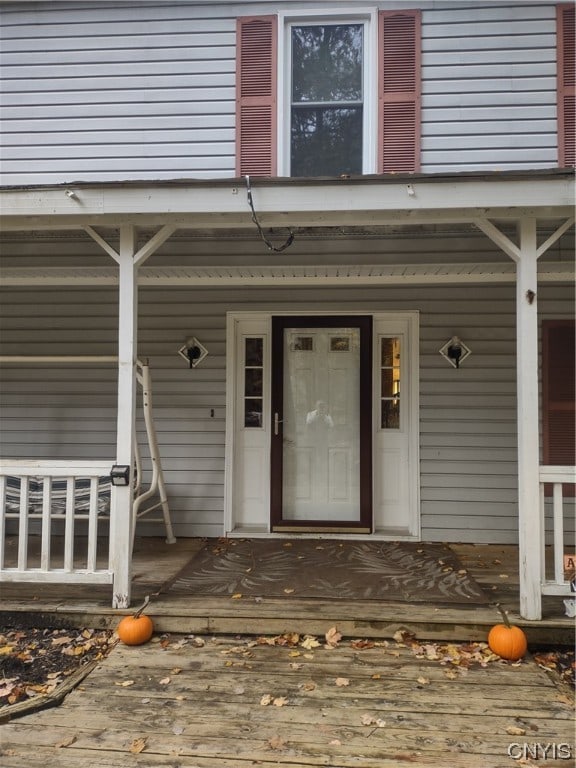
x=253 y=382
x=390 y=383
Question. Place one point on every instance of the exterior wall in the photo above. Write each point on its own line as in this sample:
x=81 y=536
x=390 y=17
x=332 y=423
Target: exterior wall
x=468 y=417
x=101 y=91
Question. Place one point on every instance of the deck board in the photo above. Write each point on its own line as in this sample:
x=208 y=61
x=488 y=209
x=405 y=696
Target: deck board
x=209 y=713
x=495 y=568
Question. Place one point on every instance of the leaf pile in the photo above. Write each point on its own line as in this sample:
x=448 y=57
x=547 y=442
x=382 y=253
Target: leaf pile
x=560 y=661
x=34 y=662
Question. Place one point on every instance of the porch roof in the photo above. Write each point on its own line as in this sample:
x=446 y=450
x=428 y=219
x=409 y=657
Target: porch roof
x=400 y=199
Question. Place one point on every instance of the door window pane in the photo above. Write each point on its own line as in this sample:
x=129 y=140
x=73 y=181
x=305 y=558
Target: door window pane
x=253 y=382
x=327 y=99
x=390 y=383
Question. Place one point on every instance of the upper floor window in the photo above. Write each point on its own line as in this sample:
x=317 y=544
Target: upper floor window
x=328 y=95
x=326 y=99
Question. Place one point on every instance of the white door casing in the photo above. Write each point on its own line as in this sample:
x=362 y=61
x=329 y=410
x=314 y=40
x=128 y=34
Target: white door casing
x=396 y=498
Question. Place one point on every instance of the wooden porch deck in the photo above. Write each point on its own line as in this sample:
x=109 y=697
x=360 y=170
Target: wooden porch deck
x=186 y=702
x=495 y=568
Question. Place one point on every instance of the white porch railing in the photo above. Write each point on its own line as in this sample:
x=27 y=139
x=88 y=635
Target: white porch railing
x=49 y=499
x=557 y=476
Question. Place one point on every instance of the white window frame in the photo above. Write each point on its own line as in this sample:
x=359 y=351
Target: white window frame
x=368 y=17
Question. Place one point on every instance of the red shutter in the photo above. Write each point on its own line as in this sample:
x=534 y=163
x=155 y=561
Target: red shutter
x=256 y=95
x=566 y=92
x=558 y=395
x=399 y=90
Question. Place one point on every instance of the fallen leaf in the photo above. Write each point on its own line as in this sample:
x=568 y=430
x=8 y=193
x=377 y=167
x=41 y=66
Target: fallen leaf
x=138 y=745
x=61 y=640
x=288 y=591
x=295 y=665
x=277 y=742
x=513 y=730
x=65 y=742
x=175 y=671
x=335 y=743
x=164 y=681
x=177 y=730
x=370 y=720
x=310 y=642
x=280 y=701
x=237 y=596
x=423 y=681
x=342 y=682
x=362 y=645
x=333 y=637
x=125 y=683
x=307 y=686
x=266 y=699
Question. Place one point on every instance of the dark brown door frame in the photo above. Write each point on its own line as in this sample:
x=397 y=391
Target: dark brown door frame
x=364 y=323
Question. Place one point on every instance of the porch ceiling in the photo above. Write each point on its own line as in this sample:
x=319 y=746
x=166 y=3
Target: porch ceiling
x=376 y=274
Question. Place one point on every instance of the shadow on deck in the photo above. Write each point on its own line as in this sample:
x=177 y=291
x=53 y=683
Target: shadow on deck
x=494 y=567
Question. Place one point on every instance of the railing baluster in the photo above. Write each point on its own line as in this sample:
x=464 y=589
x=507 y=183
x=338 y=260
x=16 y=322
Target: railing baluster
x=92 y=525
x=558 y=516
x=69 y=526
x=23 y=524
x=46 y=524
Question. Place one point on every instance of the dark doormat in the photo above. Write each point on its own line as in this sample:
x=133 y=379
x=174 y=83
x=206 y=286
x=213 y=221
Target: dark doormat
x=351 y=570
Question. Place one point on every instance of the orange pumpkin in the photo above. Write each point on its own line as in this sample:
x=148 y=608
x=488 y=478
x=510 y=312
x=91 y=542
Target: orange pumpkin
x=137 y=628
x=507 y=641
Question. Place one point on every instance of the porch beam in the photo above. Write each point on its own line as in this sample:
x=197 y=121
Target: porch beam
x=498 y=237
x=530 y=529
x=555 y=236
x=154 y=243
x=102 y=243
x=122 y=496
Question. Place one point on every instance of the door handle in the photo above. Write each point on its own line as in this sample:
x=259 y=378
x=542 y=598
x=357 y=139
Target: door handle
x=277 y=421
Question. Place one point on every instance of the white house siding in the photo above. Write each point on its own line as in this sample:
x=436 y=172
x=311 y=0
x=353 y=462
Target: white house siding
x=489 y=87
x=468 y=466
x=114 y=91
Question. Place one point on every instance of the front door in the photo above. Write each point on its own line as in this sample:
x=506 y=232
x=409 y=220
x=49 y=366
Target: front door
x=321 y=442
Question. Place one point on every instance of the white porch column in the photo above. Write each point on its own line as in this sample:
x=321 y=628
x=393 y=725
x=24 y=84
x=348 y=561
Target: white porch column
x=530 y=527
x=121 y=502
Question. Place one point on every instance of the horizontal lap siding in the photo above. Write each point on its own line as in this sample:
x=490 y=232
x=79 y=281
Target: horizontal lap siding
x=120 y=91
x=117 y=91
x=489 y=87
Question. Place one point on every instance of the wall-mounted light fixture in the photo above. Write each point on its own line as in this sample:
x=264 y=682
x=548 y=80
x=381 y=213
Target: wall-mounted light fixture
x=455 y=351
x=120 y=474
x=193 y=352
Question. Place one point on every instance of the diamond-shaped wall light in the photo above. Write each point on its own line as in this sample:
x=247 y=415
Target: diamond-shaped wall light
x=193 y=352
x=455 y=351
